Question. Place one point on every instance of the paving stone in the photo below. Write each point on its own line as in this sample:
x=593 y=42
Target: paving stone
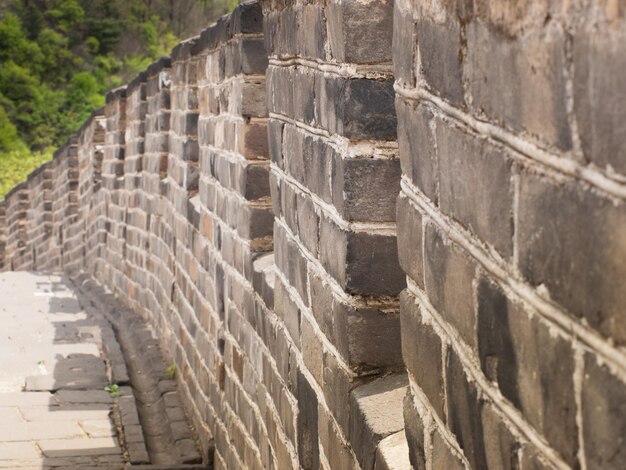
x=98 y=427
x=38 y=414
x=79 y=447
x=30 y=431
x=18 y=451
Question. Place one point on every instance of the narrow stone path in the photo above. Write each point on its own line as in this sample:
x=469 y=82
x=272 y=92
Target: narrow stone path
x=62 y=342
x=54 y=412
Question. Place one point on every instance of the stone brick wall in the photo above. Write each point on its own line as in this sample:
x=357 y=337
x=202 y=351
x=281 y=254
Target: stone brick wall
x=511 y=224
x=369 y=235
x=335 y=175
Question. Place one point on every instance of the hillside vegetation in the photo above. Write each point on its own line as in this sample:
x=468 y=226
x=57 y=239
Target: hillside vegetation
x=59 y=57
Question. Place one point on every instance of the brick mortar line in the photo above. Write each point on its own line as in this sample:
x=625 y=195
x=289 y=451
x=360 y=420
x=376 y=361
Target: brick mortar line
x=231 y=117
x=579 y=371
x=382 y=228
x=220 y=45
x=464 y=354
x=494 y=265
x=613 y=185
x=203 y=84
x=345 y=70
x=376 y=148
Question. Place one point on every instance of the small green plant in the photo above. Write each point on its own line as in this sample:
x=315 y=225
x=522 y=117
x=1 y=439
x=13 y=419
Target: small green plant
x=41 y=362
x=170 y=373
x=113 y=390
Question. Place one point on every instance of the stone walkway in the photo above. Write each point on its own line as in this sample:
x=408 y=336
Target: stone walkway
x=54 y=413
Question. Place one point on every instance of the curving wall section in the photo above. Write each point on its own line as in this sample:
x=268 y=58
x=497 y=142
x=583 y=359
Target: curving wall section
x=369 y=235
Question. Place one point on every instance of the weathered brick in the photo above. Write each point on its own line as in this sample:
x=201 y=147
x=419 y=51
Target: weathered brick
x=422 y=353
x=526 y=91
x=360 y=32
x=414 y=430
x=366 y=188
x=449 y=277
x=403 y=46
x=366 y=337
x=475 y=186
x=464 y=411
x=409 y=222
x=367 y=109
x=440 y=57
x=443 y=456
x=533 y=367
x=599 y=95
x=501 y=446
x=570 y=241
x=416 y=142
x=604 y=416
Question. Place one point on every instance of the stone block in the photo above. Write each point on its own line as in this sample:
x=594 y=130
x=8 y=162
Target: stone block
x=410 y=249
x=570 y=241
x=414 y=431
x=475 y=186
x=308 y=450
x=599 y=95
x=449 y=277
x=403 y=46
x=376 y=413
x=464 y=411
x=443 y=456
x=440 y=56
x=360 y=32
x=501 y=446
x=526 y=91
x=312 y=32
x=365 y=189
x=367 y=109
x=253 y=56
x=363 y=263
x=366 y=337
x=533 y=367
x=604 y=416
x=422 y=353
x=417 y=145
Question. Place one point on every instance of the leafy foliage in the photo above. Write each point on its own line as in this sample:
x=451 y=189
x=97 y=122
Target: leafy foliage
x=58 y=58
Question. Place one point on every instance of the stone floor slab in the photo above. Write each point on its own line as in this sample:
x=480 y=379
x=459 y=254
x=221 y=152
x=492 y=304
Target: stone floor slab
x=26 y=431
x=18 y=451
x=79 y=447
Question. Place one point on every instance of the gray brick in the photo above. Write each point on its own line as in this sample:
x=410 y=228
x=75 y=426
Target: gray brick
x=359 y=32
x=570 y=241
x=414 y=430
x=604 y=416
x=599 y=95
x=449 y=276
x=526 y=91
x=533 y=368
x=464 y=411
x=422 y=353
x=410 y=248
x=440 y=55
x=475 y=186
x=417 y=145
